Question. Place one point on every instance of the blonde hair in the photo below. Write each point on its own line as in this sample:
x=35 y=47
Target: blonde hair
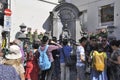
x=12 y=62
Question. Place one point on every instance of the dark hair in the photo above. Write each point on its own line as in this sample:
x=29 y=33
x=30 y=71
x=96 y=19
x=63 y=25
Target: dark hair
x=104 y=37
x=82 y=39
x=54 y=39
x=3 y=34
x=114 y=43
x=35 y=45
x=45 y=39
x=119 y=42
x=65 y=41
x=92 y=37
x=100 y=47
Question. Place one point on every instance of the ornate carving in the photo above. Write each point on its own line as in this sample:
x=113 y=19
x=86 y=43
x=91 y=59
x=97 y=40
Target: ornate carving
x=66 y=14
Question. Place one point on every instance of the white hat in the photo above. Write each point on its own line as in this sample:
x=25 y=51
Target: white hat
x=15 y=52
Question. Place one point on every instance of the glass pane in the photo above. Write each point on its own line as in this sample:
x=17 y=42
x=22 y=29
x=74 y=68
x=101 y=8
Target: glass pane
x=107 y=13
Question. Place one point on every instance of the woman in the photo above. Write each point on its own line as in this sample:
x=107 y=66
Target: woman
x=32 y=68
x=115 y=60
x=99 y=57
x=14 y=59
x=8 y=73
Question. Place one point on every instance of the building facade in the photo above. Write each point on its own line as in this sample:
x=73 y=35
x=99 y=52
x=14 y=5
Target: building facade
x=99 y=14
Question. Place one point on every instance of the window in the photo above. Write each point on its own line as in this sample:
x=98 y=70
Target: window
x=107 y=13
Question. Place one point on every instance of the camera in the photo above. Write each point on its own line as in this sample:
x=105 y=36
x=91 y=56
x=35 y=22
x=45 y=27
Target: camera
x=5 y=51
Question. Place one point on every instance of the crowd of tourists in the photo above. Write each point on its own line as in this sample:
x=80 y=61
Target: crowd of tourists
x=47 y=59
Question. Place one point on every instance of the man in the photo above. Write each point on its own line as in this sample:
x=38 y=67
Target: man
x=65 y=52
x=56 y=56
x=107 y=48
x=81 y=59
x=47 y=73
x=89 y=47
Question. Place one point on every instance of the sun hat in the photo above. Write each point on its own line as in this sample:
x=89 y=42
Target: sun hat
x=14 y=52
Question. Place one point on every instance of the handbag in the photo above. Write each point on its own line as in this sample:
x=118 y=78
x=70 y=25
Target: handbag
x=88 y=69
x=68 y=60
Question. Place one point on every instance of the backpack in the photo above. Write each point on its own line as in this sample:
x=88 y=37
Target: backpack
x=44 y=61
x=98 y=61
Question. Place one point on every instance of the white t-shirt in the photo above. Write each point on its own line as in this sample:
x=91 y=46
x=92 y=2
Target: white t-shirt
x=80 y=52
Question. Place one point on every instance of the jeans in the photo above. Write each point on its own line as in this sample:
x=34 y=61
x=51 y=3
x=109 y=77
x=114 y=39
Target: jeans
x=50 y=72
x=65 y=72
x=56 y=72
x=81 y=72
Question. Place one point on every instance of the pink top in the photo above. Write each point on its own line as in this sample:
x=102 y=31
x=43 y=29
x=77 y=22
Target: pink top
x=50 y=49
